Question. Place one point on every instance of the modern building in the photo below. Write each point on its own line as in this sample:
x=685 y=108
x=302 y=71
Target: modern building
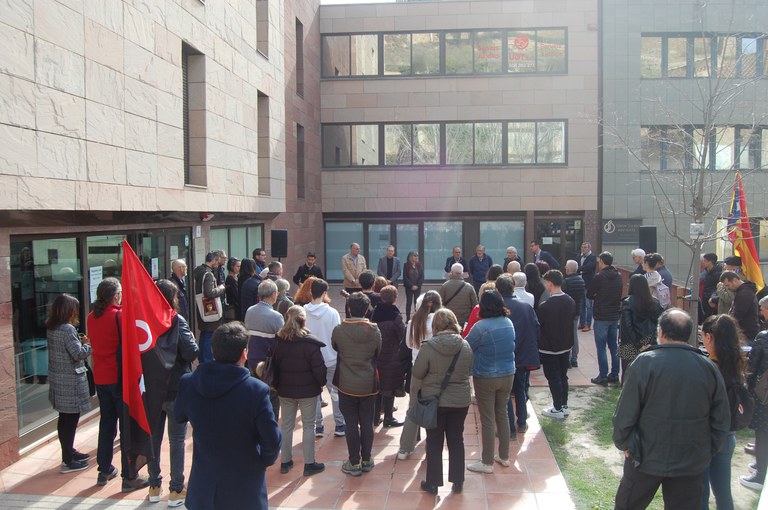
x=683 y=87
x=456 y=124
x=182 y=126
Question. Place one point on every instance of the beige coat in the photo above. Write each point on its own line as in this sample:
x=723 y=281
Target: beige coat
x=461 y=304
x=351 y=271
x=432 y=363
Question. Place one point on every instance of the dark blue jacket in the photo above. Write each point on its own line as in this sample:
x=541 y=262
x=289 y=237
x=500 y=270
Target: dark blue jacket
x=235 y=437
x=526 y=333
x=478 y=269
x=249 y=294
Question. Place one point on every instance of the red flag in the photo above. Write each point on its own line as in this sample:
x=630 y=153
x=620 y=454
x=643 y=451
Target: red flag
x=147 y=320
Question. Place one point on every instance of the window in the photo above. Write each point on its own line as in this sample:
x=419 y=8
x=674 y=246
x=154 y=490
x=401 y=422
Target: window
x=439 y=239
x=458 y=52
x=702 y=55
x=300 y=178
x=237 y=241
x=193 y=85
x=262 y=27
x=449 y=53
x=722 y=148
x=338 y=237
x=496 y=236
x=397 y=54
x=425 y=53
x=650 y=57
x=488 y=52
x=452 y=143
x=299 y=58
x=264 y=143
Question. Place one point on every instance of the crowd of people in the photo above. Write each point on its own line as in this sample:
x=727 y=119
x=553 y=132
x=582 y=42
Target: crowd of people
x=280 y=353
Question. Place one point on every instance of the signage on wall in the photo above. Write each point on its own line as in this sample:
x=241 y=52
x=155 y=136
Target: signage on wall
x=624 y=231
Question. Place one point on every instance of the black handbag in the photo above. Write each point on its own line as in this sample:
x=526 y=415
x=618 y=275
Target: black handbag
x=89 y=376
x=424 y=412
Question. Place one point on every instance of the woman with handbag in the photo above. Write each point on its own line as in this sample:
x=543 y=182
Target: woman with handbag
x=640 y=313
x=68 y=384
x=391 y=375
x=298 y=377
x=418 y=330
x=720 y=335
x=442 y=369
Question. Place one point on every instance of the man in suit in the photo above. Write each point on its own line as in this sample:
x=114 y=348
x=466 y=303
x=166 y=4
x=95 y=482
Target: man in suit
x=456 y=258
x=178 y=277
x=539 y=254
x=389 y=267
x=587 y=267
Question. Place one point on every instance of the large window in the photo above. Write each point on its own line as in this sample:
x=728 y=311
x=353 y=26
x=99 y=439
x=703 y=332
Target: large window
x=338 y=237
x=453 y=143
x=439 y=239
x=237 y=241
x=723 y=148
x=702 y=55
x=497 y=236
x=450 y=53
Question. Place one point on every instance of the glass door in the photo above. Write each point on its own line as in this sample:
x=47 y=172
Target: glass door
x=379 y=238
x=561 y=237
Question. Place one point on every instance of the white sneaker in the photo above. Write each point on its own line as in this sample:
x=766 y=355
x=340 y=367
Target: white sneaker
x=554 y=413
x=503 y=462
x=479 y=467
x=403 y=455
x=566 y=412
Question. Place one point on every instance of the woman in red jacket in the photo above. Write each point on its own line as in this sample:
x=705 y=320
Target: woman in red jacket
x=104 y=331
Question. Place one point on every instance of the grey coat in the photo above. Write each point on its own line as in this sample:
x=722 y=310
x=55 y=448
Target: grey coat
x=432 y=363
x=68 y=384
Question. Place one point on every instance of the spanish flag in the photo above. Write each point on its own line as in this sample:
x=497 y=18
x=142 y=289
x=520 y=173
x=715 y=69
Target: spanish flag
x=740 y=234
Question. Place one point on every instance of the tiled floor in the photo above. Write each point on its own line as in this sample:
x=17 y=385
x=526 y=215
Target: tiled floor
x=533 y=481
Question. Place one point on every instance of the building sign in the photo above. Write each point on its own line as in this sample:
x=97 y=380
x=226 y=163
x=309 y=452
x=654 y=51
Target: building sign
x=621 y=231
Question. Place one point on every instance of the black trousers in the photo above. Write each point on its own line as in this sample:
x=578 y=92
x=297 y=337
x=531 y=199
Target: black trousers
x=66 y=427
x=556 y=371
x=637 y=489
x=450 y=428
x=410 y=299
x=358 y=416
x=761 y=450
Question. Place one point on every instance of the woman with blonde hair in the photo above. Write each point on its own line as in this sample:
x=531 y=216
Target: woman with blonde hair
x=299 y=376
x=442 y=368
x=68 y=384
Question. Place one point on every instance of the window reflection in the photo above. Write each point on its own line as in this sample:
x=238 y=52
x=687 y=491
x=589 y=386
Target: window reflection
x=550 y=142
x=521 y=142
x=426 y=144
x=650 y=57
x=458 y=52
x=487 y=143
x=702 y=56
x=397 y=54
x=397 y=144
x=459 y=142
x=336 y=145
x=551 y=51
x=677 y=57
x=426 y=53
x=335 y=55
x=488 y=52
x=364 y=55
x=521 y=52
x=365 y=147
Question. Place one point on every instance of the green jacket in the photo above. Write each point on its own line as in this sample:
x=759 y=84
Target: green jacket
x=358 y=344
x=673 y=413
x=433 y=362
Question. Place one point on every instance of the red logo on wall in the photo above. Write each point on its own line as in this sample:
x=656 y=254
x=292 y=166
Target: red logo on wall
x=521 y=42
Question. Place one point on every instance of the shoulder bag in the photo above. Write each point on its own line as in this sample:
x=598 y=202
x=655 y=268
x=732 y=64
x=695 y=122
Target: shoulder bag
x=424 y=413
x=210 y=309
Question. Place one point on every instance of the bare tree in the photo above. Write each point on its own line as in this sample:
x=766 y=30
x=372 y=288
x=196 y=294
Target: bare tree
x=690 y=159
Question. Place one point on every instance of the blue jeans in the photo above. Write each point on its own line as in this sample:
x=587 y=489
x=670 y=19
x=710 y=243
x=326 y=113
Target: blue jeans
x=206 y=354
x=111 y=413
x=606 y=334
x=177 y=432
x=520 y=391
x=585 y=314
x=575 y=349
x=719 y=476
x=338 y=418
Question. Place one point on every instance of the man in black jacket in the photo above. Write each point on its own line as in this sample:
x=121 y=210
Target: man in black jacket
x=710 y=277
x=606 y=290
x=744 y=307
x=671 y=418
x=556 y=316
x=308 y=270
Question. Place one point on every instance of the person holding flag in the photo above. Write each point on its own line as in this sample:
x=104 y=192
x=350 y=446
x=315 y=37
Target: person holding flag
x=104 y=330
x=150 y=345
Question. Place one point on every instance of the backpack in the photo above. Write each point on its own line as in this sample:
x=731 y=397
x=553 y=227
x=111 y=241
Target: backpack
x=745 y=407
x=663 y=295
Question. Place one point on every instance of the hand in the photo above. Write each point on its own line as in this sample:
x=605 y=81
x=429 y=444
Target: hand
x=414 y=288
x=627 y=454
x=84 y=339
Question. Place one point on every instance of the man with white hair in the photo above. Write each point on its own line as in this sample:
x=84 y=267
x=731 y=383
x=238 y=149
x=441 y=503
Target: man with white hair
x=520 y=292
x=513 y=267
x=457 y=295
x=511 y=256
x=637 y=257
x=574 y=286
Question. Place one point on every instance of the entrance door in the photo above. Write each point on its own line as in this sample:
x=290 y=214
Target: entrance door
x=561 y=237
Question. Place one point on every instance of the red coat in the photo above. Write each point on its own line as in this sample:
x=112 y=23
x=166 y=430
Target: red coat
x=105 y=341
